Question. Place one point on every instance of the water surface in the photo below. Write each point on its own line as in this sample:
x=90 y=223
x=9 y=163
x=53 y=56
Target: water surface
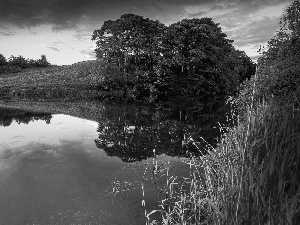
x=61 y=169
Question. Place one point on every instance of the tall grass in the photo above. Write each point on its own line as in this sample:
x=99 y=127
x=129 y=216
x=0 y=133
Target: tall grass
x=252 y=177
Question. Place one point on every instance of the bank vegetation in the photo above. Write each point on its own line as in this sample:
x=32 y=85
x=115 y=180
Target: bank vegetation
x=253 y=175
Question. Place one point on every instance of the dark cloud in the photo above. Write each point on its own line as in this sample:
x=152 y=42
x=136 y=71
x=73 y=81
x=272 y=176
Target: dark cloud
x=69 y=14
x=54 y=49
x=236 y=17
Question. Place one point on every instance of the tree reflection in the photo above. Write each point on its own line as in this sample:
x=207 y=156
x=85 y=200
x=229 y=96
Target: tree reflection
x=8 y=115
x=133 y=133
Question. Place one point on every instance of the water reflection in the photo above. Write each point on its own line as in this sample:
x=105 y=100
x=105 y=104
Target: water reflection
x=8 y=115
x=54 y=174
x=133 y=133
x=61 y=169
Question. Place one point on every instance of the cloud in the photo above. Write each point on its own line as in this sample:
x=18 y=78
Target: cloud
x=55 y=45
x=255 y=58
x=58 y=43
x=256 y=32
x=246 y=22
x=70 y=14
x=7 y=33
x=54 y=49
x=89 y=53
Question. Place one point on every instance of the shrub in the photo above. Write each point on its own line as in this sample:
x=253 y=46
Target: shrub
x=19 y=61
x=2 y=60
x=42 y=62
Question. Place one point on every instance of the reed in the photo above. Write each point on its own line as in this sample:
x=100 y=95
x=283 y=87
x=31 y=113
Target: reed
x=252 y=177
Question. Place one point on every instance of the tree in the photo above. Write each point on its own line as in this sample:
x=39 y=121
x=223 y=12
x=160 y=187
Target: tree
x=279 y=67
x=128 y=40
x=43 y=62
x=130 y=43
x=200 y=59
x=2 y=60
x=18 y=61
x=191 y=58
x=245 y=65
x=291 y=19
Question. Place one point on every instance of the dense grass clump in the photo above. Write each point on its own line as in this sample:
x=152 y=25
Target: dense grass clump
x=252 y=177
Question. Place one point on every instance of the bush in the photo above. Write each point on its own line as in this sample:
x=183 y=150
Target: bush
x=2 y=60
x=16 y=64
x=19 y=61
x=42 y=62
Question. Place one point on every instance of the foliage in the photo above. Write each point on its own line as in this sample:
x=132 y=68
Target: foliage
x=279 y=66
x=16 y=64
x=253 y=176
x=128 y=40
x=130 y=44
x=245 y=65
x=203 y=63
x=2 y=60
x=42 y=62
x=191 y=58
x=18 y=61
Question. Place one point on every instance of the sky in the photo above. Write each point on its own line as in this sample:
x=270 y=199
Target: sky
x=62 y=29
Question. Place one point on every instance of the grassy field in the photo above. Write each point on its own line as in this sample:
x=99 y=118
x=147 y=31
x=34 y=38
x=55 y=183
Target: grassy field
x=53 y=81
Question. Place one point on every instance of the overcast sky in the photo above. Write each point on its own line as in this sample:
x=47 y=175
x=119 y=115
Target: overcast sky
x=62 y=29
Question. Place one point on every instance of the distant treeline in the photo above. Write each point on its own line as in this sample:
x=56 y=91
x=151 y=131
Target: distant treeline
x=16 y=64
x=191 y=60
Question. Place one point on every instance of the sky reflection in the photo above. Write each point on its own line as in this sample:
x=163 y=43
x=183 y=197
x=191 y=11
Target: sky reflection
x=55 y=174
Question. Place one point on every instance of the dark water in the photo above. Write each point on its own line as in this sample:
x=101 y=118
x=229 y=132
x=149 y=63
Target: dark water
x=61 y=169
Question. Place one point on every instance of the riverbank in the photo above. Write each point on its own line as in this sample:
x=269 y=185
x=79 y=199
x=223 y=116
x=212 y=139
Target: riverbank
x=251 y=177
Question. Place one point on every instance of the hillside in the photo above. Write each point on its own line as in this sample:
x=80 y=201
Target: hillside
x=51 y=81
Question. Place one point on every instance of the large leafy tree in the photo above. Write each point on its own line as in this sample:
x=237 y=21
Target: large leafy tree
x=191 y=58
x=200 y=59
x=131 y=44
x=130 y=40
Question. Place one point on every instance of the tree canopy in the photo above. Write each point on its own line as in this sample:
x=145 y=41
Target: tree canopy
x=188 y=59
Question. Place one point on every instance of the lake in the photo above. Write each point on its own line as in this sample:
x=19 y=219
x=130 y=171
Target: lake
x=89 y=163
